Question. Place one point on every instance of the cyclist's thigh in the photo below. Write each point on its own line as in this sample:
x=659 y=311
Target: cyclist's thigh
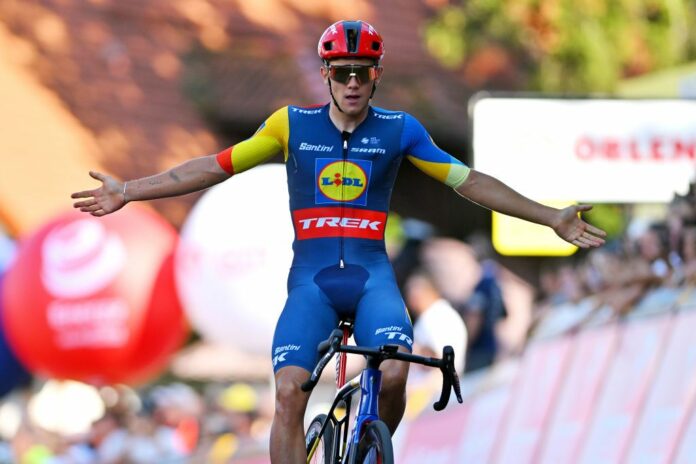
x=381 y=317
x=305 y=321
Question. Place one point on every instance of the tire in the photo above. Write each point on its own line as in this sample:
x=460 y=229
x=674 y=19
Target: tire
x=322 y=455
x=375 y=445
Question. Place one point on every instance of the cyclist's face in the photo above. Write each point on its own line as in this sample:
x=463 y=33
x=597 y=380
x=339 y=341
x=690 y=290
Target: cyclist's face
x=351 y=82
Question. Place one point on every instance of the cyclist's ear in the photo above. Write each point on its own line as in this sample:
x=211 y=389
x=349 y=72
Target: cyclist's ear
x=324 y=74
x=380 y=71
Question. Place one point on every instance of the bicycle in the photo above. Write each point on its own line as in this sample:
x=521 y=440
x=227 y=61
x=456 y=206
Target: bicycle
x=328 y=439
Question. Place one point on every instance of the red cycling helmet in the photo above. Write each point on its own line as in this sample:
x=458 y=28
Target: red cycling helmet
x=351 y=39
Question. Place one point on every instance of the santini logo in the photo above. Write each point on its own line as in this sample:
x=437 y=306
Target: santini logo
x=321 y=148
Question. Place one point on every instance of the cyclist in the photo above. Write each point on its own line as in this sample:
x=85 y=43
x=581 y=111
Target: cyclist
x=341 y=160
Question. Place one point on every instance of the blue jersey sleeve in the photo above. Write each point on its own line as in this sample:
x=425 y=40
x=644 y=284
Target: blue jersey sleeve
x=420 y=149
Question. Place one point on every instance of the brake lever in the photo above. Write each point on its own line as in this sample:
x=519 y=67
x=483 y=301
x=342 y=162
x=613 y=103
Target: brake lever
x=326 y=350
x=450 y=380
x=457 y=387
x=333 y=341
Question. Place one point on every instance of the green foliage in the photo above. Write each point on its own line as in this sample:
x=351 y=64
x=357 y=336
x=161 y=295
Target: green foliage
x=566 y=45
x=608 y=217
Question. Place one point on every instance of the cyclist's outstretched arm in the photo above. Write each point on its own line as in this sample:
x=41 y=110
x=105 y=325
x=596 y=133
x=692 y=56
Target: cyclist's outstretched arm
x=493 y=194
x=190 y=176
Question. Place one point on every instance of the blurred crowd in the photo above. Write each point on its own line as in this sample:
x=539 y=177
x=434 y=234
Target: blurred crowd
x=458 y=293
x=648 y=266
x=169 y=423
x=653 y=258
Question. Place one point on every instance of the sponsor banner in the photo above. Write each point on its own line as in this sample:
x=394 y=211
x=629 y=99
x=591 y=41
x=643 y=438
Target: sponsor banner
x=536 y=389
x=339 y=222
x=632 y=370
x=592 y=353
x=666 y=411
x=342 y=181
x=633 y=150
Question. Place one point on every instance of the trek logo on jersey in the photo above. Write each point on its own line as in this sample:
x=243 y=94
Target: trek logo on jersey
x=389 y=116
x=305 y=111
x=339 y=222
x=341 y=181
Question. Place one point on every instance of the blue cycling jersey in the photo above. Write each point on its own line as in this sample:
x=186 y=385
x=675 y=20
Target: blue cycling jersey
x=340 y=185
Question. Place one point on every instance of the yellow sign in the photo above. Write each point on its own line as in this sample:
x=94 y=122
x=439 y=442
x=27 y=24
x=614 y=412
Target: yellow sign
x=515 y=237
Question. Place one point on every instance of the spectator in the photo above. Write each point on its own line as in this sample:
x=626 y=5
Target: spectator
x=238 y=405
x=652 y=248
x=108 y=439
x=689 y=255
x=437 y=323
x=416 y=232
x=176 y=409
x=481 y=312
x=681 y=218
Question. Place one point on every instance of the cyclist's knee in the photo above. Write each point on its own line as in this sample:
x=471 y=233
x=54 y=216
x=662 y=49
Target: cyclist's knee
x=289 y=398
x=394 y=376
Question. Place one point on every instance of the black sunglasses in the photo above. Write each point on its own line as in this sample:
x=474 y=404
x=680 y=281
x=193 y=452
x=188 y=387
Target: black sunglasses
x=363 y=73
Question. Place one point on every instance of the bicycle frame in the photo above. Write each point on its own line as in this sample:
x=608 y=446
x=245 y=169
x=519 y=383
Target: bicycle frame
x=368 y=383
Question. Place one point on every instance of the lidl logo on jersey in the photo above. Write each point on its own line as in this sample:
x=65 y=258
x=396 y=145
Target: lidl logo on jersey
x=341 y=181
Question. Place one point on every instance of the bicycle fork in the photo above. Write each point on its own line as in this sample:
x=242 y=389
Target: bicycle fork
x=368 y=408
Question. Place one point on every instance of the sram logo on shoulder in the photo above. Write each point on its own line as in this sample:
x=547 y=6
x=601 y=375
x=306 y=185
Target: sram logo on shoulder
x=339 y=222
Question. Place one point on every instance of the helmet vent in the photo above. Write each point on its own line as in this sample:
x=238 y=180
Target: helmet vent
x=352 y=40
x=328 y=45
x=375 y=46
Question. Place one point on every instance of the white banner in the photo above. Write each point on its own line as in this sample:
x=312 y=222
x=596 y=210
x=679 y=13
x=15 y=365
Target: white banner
x=600 y=151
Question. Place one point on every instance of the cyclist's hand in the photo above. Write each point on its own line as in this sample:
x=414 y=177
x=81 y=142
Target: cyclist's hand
x=572 y=229
x=103 y=200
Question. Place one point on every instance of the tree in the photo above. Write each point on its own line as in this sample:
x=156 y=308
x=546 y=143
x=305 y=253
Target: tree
x=562 y=45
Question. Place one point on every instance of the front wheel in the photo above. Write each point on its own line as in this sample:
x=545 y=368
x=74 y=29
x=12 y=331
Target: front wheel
x=319 y=448
x=375 y=445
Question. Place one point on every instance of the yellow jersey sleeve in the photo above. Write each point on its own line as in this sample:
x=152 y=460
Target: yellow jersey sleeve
x=429 y=158
x=270 y=138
